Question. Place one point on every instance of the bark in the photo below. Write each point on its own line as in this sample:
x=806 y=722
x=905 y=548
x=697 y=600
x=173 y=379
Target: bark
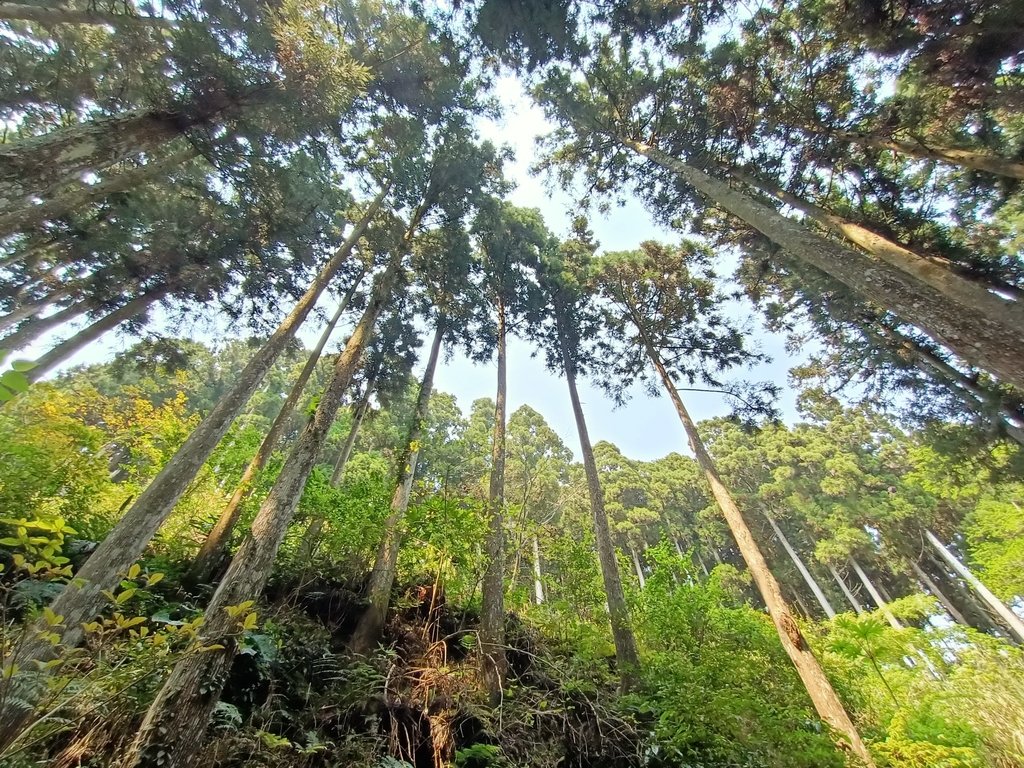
x=35 y=327
x=638 y=567
x=382 y=577
x=23 y=219
x=626 y=655
x=963 y=599
x=538 y=576
x=820 y=690
x=353 y=432
x=965 y=158
x=40 y=165
x=972 y=296
x=973 y=338
x=880 y=602
x=49 y=16
x=809 y=579
x=82 y=599
x=94 y=331
x=494 y=665
x=32 y=309
x=938 y=594
x=1012 y=621
x=216 y=541
x=176 y=721
x=846 y=590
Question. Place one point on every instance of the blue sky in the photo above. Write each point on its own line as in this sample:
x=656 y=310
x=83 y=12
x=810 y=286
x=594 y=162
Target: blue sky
x=645 y=428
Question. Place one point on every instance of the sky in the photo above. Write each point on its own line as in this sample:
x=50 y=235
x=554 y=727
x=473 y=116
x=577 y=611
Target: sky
x=645 y=428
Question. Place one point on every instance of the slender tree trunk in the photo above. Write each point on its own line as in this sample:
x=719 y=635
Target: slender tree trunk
x=32 y=309
x=972 y=296
x=95 y=330
x=494 y=665
x=216 y=541
x=809 y=579
x=353 y=432
x=83 y=598
x=382 y=577
x=40 y=165
x=538 y=576
x=820 y=690
x=964 y=599
x=973 y=338
x=846 y=590
x=32 y=329
x=175 y=724
x=1013 y=622
x=965 y=158
x=938 y=594
x=627 y=657
x=49 y=16
x=638 y=567
x=26 y=218
x=880 y=602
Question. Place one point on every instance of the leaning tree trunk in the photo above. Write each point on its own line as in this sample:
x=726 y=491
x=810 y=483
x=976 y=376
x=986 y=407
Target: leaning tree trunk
x=972 y=296
x=24 y=219
x=973 y=338
x=83 y=598
x=809 y=579
x=965 y=158
x=820 y=690
x=35 y=327
x=48 y=16
x=880 y=601
x=32 y=309
x=626 y=655
x=538 y=575
x=494 y=664
x=94 y=330
x=40 y=165
x=638 y=567
x=382 y=577
x=175 y=724
x=216 y=541
x=846 y=590
x=938 y=594
x=1013 y=622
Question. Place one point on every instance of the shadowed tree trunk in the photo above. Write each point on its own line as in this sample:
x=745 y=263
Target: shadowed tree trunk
x=24 y=219
x=35 y=327
x=494 y=664
x=32 y=309
x=83 y=598
x=973 y=338
x=94 y=330
x=820 y=690
x=880 y=601
x=938 y=594
x=1012 y=621
x=846 y=590
x=965 y=158
x=808 y=578
x=175 y=724
x=626 y=655
x=382 y=577
x=939 y=276
x=216 y=541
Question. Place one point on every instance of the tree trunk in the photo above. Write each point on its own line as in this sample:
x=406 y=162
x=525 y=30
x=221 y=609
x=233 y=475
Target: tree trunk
x=176 y=721
x=494 y=665
x=24 y=219
x=973 y=338
x=880 y=602
x=846 y=590
x=638 y=567
x=965 y=158
x=972 y=296
x=35 y=327
x=964 y=599
x=382 y=577
x=94 y=331
x=216 y=541
x=1013 y=622
x=83 y=598
x=627 y=657
x=32 y=309
x=809 y=579
x=40 y=165
x=538 y=576
x=49 y=16
x=820 y=690
x=938 y=594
